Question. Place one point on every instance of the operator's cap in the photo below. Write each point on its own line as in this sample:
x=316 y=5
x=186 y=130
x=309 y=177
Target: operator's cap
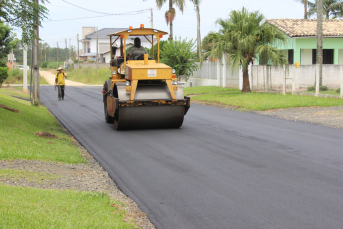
x=59 y=68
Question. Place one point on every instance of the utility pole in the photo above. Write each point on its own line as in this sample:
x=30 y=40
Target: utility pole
x=66 y=54
x=49 y=56
x=319 y=45
x=45 y=52
x=97 y=48
x=78 y=51
x=57 y=56
x=152 y=19
x=25 y=68
x=11 y=59
x=35 y=73
x=69 y=49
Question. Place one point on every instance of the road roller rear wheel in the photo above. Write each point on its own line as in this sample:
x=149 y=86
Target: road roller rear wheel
x=108 y=118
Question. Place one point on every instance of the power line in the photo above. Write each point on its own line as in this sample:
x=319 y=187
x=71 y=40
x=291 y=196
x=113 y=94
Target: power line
x=84 y=8
x=126 y=13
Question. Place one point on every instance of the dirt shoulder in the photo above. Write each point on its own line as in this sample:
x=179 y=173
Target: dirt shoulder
x=50 y=77
x=325 y=116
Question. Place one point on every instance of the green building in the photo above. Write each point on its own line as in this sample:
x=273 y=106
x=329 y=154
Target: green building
x=302 y=40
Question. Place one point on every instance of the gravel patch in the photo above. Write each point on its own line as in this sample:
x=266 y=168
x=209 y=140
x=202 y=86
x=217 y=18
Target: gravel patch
x=326 y=116
x=79 y=177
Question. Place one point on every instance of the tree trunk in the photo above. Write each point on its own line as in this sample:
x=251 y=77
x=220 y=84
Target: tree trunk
x=320 y=38
x=246 y=84
x=171 y=22
x=198 y=33
x=305 y=8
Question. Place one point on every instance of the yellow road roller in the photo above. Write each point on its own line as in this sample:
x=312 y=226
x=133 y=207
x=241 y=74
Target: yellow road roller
x=142 y=93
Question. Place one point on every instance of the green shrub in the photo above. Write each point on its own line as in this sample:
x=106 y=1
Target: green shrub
x=44 y=64
x=178 y=54
x=3 y=75
x=323 y=88
x=338 y=90
x=312 y=88
x=75 y=61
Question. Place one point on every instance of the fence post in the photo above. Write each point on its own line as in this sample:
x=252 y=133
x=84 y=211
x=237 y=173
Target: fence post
x=267 y=78
x=218 y=72
x=293 y=81
x=251 y=77
x=341 y=90
x=284 y=80
x=317 y=79
x=224 y=71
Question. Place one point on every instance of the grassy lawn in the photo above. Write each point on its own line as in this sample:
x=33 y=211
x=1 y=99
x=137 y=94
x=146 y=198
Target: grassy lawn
x=265 y=101
x=23 y=207
x=90 y=75
x=16 y=77
x=206 y=89
x=18 y=132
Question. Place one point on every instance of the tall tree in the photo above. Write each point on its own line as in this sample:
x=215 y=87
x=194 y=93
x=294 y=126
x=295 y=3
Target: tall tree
x=196 y=4
x=304 y=2
x=170 y=14
x=331 y=8
x=243 y=37
x=22 y=14
x=7 y=40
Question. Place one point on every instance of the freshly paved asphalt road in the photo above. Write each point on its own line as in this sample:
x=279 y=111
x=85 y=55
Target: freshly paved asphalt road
x=221 y=169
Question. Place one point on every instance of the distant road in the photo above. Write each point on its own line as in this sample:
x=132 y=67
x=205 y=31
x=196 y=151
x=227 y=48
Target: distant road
x=221 y=169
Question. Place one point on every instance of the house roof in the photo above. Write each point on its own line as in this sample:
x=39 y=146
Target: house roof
x=103 y=33
x=308 y=27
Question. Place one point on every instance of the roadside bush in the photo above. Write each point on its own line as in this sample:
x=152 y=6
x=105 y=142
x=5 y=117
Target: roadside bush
x=312 y=88
x=323 y=88
x=75 y=61
x=44 y=64
x=3 y=75
x=338 y=90
x=178 y=54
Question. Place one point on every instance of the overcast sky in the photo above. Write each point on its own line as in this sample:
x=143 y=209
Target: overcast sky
x=184 y=24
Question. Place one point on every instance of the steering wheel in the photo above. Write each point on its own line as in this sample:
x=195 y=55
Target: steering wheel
x=137 y=57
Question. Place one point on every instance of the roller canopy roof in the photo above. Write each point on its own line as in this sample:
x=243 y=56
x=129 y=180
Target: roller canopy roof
x=139 y=32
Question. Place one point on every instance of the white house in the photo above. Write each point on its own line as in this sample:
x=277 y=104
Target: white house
x=89 y=43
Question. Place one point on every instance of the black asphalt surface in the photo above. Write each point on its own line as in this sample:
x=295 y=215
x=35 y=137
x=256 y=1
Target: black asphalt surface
x=221 y=169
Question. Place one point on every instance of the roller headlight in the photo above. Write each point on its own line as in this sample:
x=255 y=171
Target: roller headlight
x=173 y=71
x=114 y=72
x=127 y=83
x=174 y=82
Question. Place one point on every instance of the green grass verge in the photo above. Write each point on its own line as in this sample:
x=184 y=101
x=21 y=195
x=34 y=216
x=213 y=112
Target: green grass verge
x=16 y=77
x=15 y=174
x=90 y=75
x=18 y=133
x=206 y=89
x=36 y=208
x=266 y=101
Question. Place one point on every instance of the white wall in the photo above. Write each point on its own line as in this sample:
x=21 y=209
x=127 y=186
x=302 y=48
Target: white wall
x=340 y=56
x=306 y=56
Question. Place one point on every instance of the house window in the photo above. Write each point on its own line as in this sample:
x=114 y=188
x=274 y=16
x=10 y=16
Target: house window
x=327 y=56
x=290 y=56
x=88 y=50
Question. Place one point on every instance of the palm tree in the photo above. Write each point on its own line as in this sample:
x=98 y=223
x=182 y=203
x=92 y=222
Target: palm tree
x=305 y=7
x=331 y=8
x=196 y=3
x=243 y=37
x=170 y=14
